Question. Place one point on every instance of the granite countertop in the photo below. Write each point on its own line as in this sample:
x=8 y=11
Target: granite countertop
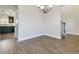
x=7 y=25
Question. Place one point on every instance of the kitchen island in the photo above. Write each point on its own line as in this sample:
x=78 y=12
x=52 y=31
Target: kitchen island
x=7 y=28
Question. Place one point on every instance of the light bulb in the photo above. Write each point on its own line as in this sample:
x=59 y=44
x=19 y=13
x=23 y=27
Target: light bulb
x=50 y=6
x=42 y=7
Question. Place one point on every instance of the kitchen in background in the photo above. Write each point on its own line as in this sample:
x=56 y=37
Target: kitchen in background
x=8 y=21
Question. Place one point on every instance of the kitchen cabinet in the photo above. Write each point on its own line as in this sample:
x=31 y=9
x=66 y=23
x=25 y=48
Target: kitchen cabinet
x=7 y=29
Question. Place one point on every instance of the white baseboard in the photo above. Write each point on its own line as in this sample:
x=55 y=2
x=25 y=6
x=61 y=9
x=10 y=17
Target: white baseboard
x=21 y=39
x=53 y=36
x=72 y=33
x=25 y=38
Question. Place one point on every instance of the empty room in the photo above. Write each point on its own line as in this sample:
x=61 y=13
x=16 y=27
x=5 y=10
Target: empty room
x=39 y=29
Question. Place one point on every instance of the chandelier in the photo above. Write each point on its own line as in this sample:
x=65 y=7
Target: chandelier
x=45 y=8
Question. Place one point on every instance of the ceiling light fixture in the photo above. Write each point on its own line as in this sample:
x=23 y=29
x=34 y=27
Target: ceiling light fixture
x=45 y=8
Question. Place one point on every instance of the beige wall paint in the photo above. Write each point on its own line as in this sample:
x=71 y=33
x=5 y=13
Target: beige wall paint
x=70 y=14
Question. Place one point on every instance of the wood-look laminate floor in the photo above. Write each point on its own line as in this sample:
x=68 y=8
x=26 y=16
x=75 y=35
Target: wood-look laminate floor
x=43 y=45
x=7 y=36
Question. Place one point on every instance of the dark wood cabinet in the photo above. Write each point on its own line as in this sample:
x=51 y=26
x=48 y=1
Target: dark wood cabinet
x=7 y=29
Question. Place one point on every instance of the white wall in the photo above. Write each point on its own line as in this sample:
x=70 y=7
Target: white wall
x=53 y=25
x=33 y=23
x=70 y=15
x=30 y=22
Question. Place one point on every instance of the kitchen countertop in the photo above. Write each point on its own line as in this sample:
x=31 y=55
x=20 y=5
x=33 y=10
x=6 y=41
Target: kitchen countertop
x=1 y=25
